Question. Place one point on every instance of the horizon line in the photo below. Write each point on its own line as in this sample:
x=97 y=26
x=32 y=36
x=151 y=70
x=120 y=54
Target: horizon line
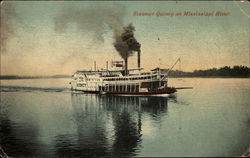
x=65 y=75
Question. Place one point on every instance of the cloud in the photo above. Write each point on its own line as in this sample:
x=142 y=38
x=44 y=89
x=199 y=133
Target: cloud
x=9 y=21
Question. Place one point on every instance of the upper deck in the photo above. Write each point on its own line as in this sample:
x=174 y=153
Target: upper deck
x=118 y=75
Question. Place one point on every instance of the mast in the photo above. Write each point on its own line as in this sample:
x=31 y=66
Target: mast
x=166 y=75
x=95 y=65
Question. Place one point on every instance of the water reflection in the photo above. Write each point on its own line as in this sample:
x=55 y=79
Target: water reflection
x=109 y=125
x=19 y=140
x=102 y=126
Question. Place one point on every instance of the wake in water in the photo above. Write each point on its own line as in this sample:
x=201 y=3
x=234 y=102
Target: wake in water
x=64 y=89
x=172 y=98
x=31 y=89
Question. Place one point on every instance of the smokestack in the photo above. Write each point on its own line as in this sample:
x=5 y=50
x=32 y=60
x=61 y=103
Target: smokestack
x=139 y=59
x=95 y=65
x=126 y=66
x=107 y=65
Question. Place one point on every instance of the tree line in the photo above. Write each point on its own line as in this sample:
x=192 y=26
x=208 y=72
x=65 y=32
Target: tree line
x=226 y=71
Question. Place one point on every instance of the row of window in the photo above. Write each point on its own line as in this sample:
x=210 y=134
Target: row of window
x=89 y=79
x=123 y=79
x=80 y=85
x=120 y=88
x=93 y=79
x=119 y=79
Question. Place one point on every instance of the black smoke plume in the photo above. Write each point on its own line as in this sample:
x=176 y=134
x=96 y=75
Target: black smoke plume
x=91 y=20
x=125 y=43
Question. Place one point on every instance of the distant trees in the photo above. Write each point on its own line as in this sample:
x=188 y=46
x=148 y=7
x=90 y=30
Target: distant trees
x=226 y=71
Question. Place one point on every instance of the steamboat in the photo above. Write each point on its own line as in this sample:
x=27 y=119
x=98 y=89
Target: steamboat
x=119 y=79
x=122 y=81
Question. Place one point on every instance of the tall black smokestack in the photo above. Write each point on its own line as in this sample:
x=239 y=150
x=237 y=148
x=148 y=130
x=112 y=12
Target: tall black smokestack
x=139 y=59
x=126 y=66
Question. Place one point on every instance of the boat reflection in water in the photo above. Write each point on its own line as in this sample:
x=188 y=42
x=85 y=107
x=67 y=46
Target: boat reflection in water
x=109 y=125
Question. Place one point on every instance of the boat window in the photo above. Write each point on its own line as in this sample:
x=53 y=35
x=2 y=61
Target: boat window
x=137 y=88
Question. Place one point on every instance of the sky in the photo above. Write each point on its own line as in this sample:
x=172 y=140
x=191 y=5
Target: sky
x=50 y=37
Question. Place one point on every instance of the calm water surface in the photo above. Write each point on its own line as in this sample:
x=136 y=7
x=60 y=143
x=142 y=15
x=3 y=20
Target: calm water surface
x=42 y=118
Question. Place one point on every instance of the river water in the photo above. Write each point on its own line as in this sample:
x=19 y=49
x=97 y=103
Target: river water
x=42 y=118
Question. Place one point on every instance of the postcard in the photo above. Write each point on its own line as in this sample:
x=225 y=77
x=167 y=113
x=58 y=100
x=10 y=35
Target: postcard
x=124 y=79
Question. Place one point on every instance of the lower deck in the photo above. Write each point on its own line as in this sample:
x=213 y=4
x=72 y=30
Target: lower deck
x=168 y=90
x=143 y=88
x=133 y=87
